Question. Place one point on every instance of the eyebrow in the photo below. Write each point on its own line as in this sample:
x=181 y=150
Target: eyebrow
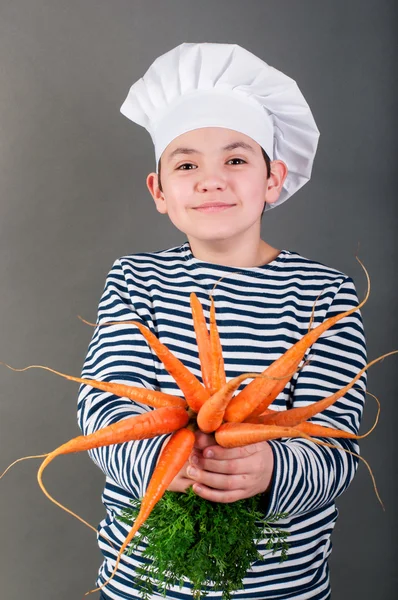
x=183 y=150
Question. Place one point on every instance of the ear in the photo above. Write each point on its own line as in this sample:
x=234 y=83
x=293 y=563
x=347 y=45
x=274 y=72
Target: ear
x=152 y=182
x=275 y=181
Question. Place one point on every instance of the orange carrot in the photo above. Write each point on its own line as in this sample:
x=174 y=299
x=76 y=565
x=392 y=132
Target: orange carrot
x=324 y=431
x=142 y=395
x=154 y=422
x=171 y=461
x=218 y=372
x=194 y=392
x=258 y=395
x=202 y=341
x=263 y=417
x=148 y=425
x=232 y=435
x=294 y=416
x=315 y=430
x=211 y=414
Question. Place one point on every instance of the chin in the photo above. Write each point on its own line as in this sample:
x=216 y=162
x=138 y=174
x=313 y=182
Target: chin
x=216 y=236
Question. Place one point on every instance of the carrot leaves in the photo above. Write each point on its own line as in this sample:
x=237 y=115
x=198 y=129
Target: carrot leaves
x=210 y=544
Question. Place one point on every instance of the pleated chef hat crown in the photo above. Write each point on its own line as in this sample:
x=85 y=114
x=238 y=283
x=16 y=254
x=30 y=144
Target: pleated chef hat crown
x=224 y=85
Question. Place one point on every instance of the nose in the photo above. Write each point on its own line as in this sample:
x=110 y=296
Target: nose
x=211 y=182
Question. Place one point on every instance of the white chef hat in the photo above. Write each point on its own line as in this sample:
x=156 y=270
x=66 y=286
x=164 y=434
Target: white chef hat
x=223 y=85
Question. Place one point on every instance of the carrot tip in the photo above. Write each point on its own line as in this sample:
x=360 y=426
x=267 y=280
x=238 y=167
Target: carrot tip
x=86 y=322
x=92 y=591
x=21 y=459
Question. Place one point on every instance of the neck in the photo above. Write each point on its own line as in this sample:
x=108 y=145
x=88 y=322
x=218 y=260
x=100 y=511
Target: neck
x=254 y=253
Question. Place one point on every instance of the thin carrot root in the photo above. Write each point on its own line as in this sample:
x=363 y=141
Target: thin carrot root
x=360 y=458
x=48 y=495
x=313 y=312
x=21 y=459
x=217 y=282
x=313 y=308
x=155 y=422
x=144 y=396
x=45 y=492
x=329 y=432
x=309 y=427
x=54 y=501
x=88 y=322
x=377 y=415
x=295 y=416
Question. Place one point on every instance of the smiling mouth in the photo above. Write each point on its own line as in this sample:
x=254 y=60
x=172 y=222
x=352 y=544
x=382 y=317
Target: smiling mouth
x=216 y=207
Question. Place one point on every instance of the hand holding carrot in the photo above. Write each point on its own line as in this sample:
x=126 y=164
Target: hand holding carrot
x=229 y=474
x=182 y=481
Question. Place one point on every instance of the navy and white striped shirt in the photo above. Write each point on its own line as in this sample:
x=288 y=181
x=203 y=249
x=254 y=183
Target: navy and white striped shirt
x=261 y=311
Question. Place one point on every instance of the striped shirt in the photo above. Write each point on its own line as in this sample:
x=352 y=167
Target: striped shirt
x=261 y=312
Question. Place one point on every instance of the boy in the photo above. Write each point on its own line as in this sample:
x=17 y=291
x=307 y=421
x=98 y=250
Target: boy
x=232 y=137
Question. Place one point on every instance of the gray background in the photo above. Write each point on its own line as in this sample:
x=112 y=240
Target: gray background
x=73 y=198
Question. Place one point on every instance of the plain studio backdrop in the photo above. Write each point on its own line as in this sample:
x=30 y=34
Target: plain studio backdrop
x=73 y=199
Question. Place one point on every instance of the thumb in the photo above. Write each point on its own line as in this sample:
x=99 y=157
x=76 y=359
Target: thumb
x=203 y=440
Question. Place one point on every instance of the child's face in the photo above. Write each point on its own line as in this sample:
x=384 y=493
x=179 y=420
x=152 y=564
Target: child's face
x=204 y=171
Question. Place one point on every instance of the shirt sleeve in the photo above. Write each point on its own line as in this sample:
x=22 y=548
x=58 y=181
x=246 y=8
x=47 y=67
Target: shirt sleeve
x=308 y=476
x=119 y=353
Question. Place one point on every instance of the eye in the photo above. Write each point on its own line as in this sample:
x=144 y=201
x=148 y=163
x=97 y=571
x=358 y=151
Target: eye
x=241 y=160
x=184 y=165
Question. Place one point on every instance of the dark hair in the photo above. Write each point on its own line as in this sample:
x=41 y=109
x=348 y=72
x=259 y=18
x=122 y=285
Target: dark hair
x=267 y=162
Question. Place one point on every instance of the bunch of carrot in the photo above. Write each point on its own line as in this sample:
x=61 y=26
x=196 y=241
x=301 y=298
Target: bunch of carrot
x=236 y=420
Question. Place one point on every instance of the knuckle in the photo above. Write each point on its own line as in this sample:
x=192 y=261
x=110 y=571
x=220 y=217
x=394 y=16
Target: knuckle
x=231 y=467
x=228 y=483
x=247 y=451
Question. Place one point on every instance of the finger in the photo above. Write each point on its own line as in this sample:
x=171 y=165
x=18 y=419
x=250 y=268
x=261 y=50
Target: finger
x=181 y=481
x=217 y=481
x=219 y=453
x=194 y=457
x=180 y=484
x=236 y=466
x=203 y=440
x=219 y=495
